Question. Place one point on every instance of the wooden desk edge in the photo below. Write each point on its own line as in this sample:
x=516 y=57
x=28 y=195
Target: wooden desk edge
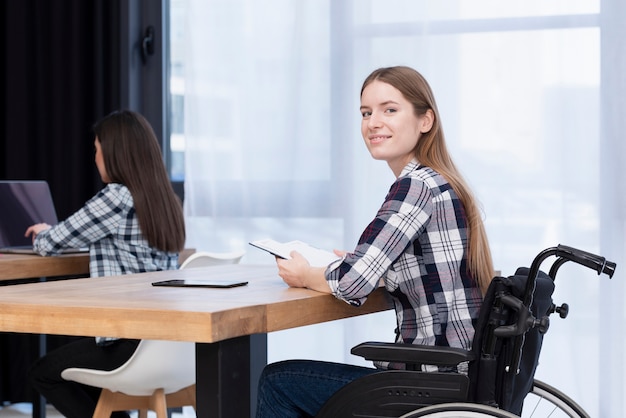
x=21 y=266
x=307 y=312
x=194 y=326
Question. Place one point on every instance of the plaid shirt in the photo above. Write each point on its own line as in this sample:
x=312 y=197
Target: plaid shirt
x=108 y=225
x=417 y=245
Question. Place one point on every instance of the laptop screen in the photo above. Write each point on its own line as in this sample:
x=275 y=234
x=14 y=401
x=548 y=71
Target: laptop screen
x=22 y=204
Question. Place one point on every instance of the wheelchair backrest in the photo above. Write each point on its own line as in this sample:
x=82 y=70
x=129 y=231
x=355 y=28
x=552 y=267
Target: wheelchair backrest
x=508 y=340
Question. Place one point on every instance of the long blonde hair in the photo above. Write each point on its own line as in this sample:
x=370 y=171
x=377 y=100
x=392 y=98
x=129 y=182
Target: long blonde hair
x=431 y=151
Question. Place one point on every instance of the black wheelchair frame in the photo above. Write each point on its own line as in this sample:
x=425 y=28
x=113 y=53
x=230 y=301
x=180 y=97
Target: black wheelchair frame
x=502 y=362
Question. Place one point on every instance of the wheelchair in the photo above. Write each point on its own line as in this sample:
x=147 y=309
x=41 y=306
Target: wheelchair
x=505 y=352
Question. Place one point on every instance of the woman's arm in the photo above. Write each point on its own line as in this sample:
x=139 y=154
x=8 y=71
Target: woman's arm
x=402 y=217
x=97 y=219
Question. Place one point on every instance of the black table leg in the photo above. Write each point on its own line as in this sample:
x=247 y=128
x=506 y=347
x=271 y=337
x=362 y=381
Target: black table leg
x=227 y=374
x=258 y=360
x=39 y=402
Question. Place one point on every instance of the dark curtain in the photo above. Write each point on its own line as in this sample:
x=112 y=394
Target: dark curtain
x=60 y=73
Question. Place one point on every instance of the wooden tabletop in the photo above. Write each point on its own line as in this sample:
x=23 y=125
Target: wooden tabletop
x=23 y=266
x=129 y=306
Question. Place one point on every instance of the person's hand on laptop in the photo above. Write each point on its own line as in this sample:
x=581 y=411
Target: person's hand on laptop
x=33 y=230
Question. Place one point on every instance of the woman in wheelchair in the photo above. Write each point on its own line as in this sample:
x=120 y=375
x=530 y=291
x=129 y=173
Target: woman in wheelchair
x=427 y=244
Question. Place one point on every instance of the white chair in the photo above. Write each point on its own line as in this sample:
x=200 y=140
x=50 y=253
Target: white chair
x=158 y=376
x=204 y=258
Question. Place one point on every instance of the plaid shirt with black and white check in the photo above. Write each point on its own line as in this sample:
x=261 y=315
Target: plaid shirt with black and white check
x=108 y=225
x=417 y=245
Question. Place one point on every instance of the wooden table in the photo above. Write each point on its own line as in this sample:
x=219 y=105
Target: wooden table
x=23 y=266
x=222 y=322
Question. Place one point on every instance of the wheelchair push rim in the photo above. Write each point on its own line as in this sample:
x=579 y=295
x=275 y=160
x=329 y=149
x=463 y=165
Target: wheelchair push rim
x=459 y=410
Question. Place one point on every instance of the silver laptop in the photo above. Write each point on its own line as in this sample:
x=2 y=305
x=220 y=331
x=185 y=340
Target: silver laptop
x=22 y=204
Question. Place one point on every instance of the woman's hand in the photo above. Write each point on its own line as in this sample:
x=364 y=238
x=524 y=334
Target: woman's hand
x=293 y=271
x=340 y=253
x=297 y=272
x=33 y=230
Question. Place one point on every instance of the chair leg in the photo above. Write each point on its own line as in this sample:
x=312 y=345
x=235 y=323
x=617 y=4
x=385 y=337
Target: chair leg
x=158 y=403
x=103 y=407
x=117 y=401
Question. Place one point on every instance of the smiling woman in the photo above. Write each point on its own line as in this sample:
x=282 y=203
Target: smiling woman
x=424 y=245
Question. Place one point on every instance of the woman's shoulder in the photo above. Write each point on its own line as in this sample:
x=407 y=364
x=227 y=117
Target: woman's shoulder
x=419 y=183
x=415 y=172
x=115 y=193
x=116 y=188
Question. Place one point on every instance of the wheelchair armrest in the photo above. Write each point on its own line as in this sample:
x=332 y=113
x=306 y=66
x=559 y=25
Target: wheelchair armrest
x=412 y=354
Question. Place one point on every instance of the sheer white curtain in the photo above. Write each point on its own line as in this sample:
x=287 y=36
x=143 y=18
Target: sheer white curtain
x=531 y=95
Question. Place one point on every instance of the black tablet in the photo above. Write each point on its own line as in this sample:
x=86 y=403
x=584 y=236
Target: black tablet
x=200 y=283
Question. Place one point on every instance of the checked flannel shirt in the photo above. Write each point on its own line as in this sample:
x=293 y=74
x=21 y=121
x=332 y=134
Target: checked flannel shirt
x=417 y=245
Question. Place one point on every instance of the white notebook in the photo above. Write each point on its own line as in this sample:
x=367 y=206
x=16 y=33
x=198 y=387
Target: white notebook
x=315 y=256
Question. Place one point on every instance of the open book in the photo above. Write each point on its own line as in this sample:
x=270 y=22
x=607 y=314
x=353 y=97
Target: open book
x=315 y=256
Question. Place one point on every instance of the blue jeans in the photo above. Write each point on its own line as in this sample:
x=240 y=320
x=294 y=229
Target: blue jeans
x=299 y=388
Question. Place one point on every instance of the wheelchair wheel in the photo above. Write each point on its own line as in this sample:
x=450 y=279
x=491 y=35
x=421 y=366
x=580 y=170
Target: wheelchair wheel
x=459 y=410
x=545 y=400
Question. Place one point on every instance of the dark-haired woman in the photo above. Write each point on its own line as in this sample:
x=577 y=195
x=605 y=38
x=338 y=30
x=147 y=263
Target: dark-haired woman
x=134 y=224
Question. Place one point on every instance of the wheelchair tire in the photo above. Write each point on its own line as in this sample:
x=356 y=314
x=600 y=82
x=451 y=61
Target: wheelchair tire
x=545 y=400
x=459 y=410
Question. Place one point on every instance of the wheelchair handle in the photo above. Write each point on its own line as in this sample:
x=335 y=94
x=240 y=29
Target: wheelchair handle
x=594 y=262
x=563 y=254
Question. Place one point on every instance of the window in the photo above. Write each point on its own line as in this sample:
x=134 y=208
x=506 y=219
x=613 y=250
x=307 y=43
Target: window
x=177 y=89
